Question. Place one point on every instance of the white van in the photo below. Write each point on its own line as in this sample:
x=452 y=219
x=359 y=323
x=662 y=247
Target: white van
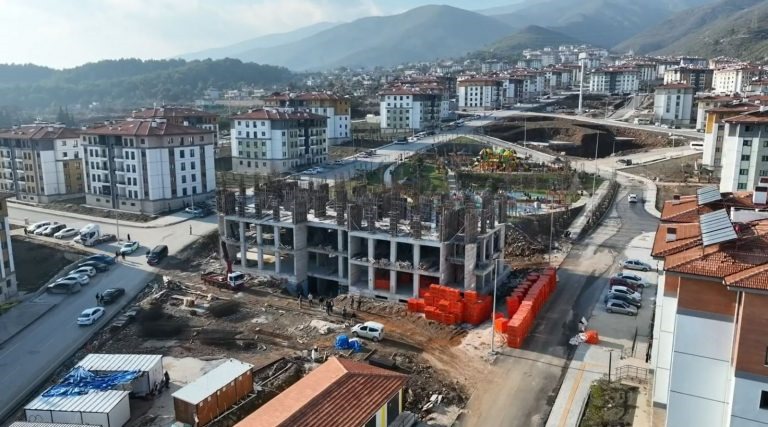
x=697 y=145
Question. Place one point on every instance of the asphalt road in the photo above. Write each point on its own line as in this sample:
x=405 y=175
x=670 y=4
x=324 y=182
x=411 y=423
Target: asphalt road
x=522 y=385
x=29 y=358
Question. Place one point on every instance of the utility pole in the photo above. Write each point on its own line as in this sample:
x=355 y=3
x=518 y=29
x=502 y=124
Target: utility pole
x=594 y=176
x=581 y=87
x=493 y=315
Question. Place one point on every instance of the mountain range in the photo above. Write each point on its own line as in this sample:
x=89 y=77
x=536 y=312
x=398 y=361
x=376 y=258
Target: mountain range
x=734 y=28
x=532 y=36
x=434 y=32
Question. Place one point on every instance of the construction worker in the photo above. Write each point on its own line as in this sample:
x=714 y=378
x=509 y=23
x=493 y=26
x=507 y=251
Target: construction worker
x=300 y=300
x=344 y=313
x=310 y=299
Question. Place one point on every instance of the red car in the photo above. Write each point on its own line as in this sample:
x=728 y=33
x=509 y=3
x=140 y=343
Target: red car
x=617 y=281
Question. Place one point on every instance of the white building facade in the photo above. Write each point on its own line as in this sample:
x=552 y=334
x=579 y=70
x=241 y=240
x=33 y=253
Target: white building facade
x=412 y=108
x=673 y=104
x=147 y=166
x=745 y=151
x=270 y=141
x=733 y=80
x=480 y=93
x=610 y=81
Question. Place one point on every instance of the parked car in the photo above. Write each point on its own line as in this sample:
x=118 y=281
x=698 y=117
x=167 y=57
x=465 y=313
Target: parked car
x=634 y=264
x=100 y=267
x=66 y=232
x=197 y=211
x=632 y=278
x=90 y=315
x=157 y=254
x=34 y=227
x=88 y=271
x=621 y=297
x=41 y=230
x=82 y=279
x=53 y=229
x=101 y=258
x=626 y=162
x=64 y=287
x=632 y=198
x=371 y=330
x=616 y=281
x=626 y=291
x=129 y=247
x=111 y=295
x=616 y=306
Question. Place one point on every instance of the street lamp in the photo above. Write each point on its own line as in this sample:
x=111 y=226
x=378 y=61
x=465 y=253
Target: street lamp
x=493 y=315
x=594 y=176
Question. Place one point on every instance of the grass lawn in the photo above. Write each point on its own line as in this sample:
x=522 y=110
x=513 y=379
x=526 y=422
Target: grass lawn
x=610 y=404
x=431 y=180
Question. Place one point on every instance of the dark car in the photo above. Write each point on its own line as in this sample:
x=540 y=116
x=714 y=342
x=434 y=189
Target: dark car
x=101 y=258
x=157 y=254
x=100 y=267
x=625 y=298
x=111 y=295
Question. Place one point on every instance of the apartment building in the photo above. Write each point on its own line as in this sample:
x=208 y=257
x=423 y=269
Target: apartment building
x=709 y=352
x=745 y=150
x=41 y=162
x=336 y=108
x=673 y=104
x=699 y=78
x=412 y=108
x=532 y=63
x=147 y=166
x=714 y=131
x=182 y=116
x=480 y=93
x=614 y=80
x=271 y=141
x=734 y=79
x=376 y=245
x=8 y=286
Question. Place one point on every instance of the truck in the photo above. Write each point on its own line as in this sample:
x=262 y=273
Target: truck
x=235 y=280
x=90 y=235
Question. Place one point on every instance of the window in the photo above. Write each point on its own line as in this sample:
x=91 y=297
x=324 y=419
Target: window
x=745 y=157
x=194 y=178
x=191 y=152
x=191 y=166
x=747 y=143
x=764 y=399
x=743 y=171
x=181 y=154
x=183 y=167
x=183 y=179
x=747 y=128
x=64 y=154
x=742 y=186
x=764 y=159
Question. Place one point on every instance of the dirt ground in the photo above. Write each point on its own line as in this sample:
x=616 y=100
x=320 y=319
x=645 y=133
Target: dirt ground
x=666 y=191
x=36 y=262
x=681 y=169
x=583 y=135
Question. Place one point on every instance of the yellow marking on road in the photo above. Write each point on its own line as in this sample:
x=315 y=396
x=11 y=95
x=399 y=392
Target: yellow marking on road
x=572 y=395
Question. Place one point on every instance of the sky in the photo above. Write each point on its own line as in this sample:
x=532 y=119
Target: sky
x=67 y=33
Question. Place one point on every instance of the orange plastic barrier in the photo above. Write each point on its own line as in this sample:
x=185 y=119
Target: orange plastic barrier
x=591 y=337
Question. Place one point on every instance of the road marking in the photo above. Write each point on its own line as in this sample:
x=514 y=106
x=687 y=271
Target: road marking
x=572 y=395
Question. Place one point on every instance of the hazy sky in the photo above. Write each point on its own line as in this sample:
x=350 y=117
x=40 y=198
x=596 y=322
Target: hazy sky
x=66 y=33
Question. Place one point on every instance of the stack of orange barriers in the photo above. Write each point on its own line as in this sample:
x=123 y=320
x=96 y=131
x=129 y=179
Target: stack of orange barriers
x=526 y=302
x=448 y=306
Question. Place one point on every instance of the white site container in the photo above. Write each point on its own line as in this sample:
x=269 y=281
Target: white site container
x=98 y=408
x=150 y=365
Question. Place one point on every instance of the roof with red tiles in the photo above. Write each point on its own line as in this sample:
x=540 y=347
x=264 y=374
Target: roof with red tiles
x=40 y=131
x=410 y=90
x=734 y=108
x=143 y=128
x=749 y=117
x=339 y=393
x=673 y=238
x=318 y=96
x=169 y=111
x=687 y=209
x=720 y=260
x=675 y=86
x=268 y=114
x=753 y=278
x=478 y=80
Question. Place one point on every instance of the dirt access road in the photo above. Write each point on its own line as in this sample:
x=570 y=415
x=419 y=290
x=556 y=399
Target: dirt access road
x=522 y=384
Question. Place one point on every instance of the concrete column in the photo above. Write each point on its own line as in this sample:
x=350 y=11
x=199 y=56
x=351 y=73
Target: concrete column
x=392 y=273
x=482 y=250
x=277 y=249
x=443 y=263
x=371 y=276
x=300 y=254
x=243 y=246
x=260 y=243
x=470 y=261
x=340 y=259
x=416 y=276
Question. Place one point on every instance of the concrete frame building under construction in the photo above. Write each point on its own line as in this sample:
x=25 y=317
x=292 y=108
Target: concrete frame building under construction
x=331 y=240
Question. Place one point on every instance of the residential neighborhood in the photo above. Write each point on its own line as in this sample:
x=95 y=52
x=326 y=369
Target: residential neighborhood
x=367 y=214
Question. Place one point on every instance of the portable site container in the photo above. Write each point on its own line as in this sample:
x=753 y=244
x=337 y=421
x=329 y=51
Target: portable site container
x=209 y=396
x=34 y=424
x=150 y=365
x=97 y=408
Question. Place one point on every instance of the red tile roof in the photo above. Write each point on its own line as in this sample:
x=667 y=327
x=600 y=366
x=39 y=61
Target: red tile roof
x=479 y=80
x=753 y=278
x=686 y=209
x=339 y=393
x=749 y=117
x=40 y=131
x=166 y=112
x=403 y=90
x=268 y=114
x=675 y=86
x=318 y=96
x=143 y=128
x=686 y=236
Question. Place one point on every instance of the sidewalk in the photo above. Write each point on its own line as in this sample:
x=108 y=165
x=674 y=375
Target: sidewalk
x=164 y=221
x=580 y=222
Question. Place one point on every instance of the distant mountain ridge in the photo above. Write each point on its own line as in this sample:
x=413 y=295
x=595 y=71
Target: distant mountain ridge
x=533 y=37
x=420 y=34
x=736 y=28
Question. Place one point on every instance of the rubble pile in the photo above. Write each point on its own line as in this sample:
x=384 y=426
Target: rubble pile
x=518 y=244
x=424 y=384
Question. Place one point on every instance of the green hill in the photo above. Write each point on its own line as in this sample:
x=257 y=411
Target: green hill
x=533 y=37
x=735 y=28
x=131 y=82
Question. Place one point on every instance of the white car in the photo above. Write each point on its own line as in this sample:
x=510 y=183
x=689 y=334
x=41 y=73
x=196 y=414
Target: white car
x=129 y=247
x=371 y=330
x=82 y=279
x=38 y=225
x=312 y=171
x=621 y=290
x=67 y=232
x=88 y=271
x=632 y=278
x=634 y=264
x=632 y=198
x=40 y=230
x=90 y=315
